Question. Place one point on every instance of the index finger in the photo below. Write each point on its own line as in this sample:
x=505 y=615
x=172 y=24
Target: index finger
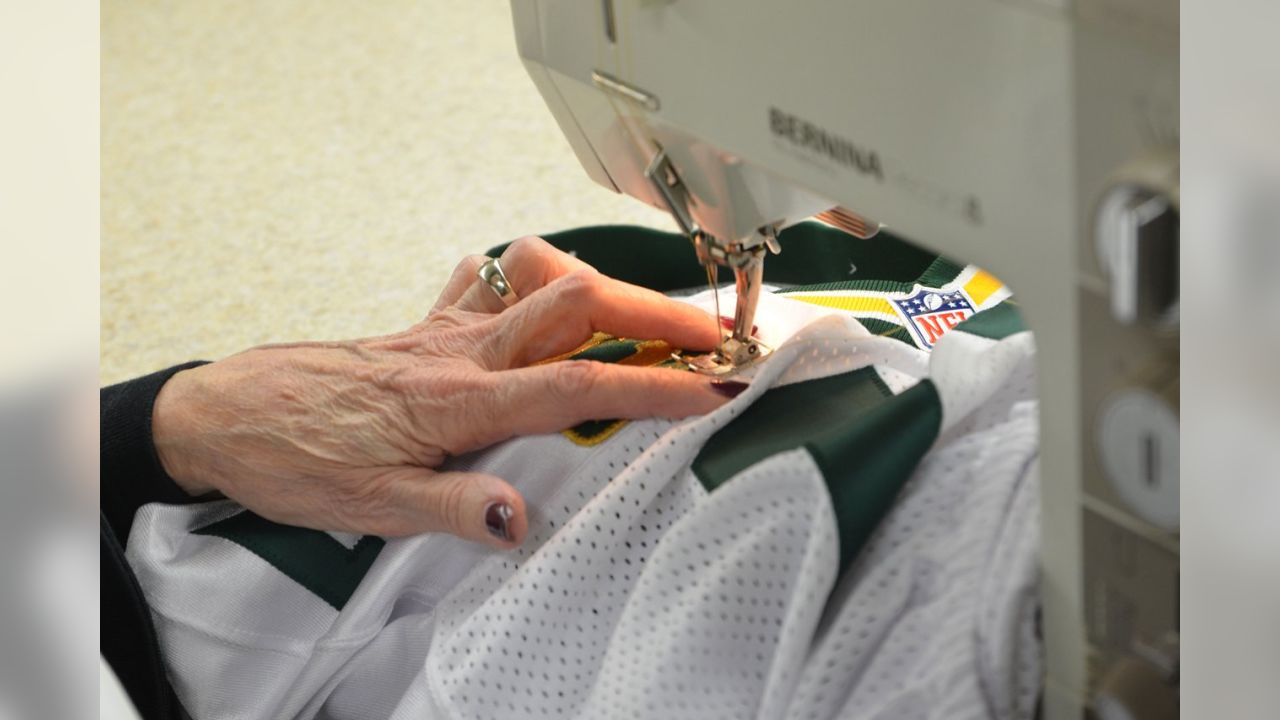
x=555 y=396
x=564 y=314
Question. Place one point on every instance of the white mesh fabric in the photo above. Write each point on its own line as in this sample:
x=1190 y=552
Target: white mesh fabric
x=543 y=627
x=719 y=623
x=935 y=619
x=688 y=606
x=978 y=379
x=903 y=640
x=1010 y=661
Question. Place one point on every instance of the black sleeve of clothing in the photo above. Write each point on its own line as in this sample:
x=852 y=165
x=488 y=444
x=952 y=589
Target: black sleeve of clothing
x=127 y=637
x=132 y=476
x=131 y=473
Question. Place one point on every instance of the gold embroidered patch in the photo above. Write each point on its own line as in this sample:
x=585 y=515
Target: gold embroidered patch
x=603 y=347
x=593 y=432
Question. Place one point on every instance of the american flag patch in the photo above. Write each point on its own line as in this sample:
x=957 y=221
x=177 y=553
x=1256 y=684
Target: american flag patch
x=931 y=313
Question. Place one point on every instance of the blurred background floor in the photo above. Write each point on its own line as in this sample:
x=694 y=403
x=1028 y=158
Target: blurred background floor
x=313 y=169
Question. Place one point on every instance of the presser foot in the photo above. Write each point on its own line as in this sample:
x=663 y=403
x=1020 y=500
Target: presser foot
x=732 y=357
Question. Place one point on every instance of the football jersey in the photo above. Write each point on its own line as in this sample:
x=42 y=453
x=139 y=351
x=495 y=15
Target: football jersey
x=854 y=535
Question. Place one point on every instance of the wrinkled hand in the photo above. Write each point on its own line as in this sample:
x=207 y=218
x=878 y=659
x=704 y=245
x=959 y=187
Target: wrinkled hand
x=348 y=435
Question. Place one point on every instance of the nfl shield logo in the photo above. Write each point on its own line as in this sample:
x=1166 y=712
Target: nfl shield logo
x=931 y=313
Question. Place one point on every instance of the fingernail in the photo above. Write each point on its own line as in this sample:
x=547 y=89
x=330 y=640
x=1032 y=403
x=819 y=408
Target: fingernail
x=497 y=517
x=727 y=324
x=729 y=388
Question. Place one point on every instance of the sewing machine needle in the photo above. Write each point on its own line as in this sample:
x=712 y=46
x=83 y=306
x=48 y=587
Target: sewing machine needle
x=715 y=293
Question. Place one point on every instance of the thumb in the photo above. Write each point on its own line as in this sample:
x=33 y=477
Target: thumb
x=473 y=506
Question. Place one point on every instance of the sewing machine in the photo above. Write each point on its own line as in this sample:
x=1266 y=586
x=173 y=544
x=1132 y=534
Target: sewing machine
x=1037 y=139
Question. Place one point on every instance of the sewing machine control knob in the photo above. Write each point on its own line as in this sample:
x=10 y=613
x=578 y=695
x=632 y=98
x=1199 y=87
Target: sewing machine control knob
x=1137 y=440
x=1136 y=235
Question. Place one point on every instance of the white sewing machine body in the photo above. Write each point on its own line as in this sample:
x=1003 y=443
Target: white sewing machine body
x=986 y=130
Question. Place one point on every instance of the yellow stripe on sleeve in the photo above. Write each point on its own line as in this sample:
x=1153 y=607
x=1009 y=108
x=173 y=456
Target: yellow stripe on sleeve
x=981 y=286
x=848 y=303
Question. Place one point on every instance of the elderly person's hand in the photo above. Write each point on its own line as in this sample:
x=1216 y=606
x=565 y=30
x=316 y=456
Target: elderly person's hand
x=348 y=435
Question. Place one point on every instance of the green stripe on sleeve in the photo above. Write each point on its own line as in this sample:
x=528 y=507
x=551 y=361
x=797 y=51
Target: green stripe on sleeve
x=865 y=440
x=995 y=323
x=786 y=418
x=310 y=558
x=875 y=456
